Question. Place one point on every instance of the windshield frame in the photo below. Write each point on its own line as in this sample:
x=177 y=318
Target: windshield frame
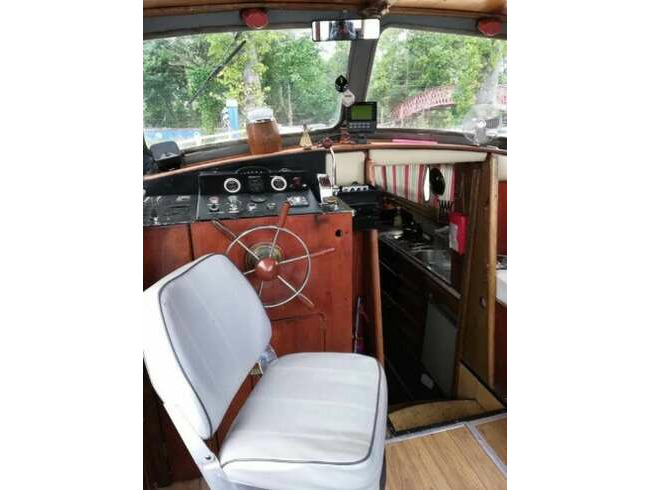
x=361 y=59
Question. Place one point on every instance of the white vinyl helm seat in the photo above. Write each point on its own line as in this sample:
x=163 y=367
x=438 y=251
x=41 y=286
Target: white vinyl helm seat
x=315 y=421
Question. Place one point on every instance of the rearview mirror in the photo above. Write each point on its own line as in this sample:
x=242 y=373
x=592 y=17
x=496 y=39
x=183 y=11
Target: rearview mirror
x=344 y=30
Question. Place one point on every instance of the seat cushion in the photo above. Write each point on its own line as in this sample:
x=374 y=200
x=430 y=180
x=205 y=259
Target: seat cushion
x=313 y=421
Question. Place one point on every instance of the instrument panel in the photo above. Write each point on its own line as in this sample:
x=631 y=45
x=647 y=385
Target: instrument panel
x=249 y=192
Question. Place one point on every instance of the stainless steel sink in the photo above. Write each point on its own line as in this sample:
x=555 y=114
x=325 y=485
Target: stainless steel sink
x=430 y=256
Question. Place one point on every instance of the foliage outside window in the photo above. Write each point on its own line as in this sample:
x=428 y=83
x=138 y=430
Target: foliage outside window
x=429 y=80
x=281 y=69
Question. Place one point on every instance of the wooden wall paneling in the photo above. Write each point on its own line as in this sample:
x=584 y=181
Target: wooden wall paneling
x=298 y=334
x=478 y=297
x=378 y=331
x=502 y=220
x=470 y=209
x=181 y=464
x=330 y=285
x=165 y=249
x=365 y=283
x=501 y=351
x=156 y=466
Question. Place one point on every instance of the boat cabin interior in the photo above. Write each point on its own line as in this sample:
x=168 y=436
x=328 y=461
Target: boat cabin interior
x=325 y=244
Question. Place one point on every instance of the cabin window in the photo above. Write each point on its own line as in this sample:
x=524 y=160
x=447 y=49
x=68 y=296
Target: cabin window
x=281 y=69
x=431 y=80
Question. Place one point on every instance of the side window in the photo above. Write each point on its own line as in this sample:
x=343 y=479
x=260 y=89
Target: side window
x=430 y=80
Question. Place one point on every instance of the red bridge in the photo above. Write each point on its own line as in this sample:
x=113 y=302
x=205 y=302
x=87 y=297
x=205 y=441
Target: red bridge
x=437 y=97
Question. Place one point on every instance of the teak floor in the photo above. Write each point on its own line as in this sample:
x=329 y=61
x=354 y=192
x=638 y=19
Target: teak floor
x=450 y=459
x=446 y=459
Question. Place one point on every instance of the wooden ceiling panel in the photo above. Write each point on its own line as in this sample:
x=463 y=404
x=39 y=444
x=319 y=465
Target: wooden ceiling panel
x=161 y=7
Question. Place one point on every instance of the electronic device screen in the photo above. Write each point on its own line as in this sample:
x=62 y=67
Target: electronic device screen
x=361 y=112
x=362 y=117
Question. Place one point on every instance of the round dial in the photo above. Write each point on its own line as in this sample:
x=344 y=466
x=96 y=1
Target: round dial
x=232 y=185
x=278 y=183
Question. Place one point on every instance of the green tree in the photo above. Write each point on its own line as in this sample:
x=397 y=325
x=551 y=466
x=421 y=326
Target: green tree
x=409 y=62
x=282 y=69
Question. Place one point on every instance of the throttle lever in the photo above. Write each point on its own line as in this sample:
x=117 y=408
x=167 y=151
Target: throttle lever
x=284 y=213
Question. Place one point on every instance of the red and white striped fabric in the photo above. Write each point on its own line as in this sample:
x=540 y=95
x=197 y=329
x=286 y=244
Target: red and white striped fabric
x=407 y=181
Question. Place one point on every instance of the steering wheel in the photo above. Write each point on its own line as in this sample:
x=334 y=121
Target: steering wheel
x=264 y=261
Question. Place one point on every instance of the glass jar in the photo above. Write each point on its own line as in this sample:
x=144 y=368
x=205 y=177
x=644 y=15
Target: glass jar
x=263 y=132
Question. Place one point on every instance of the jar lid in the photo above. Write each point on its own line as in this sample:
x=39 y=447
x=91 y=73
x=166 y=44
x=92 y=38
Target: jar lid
x=260 y=114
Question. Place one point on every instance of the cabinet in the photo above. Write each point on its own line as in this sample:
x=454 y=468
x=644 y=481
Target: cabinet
x=408 y=292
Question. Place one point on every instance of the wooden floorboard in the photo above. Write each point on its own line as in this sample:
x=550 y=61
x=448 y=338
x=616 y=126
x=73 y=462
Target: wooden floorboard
x=446 y=460
x=496 y=435
x=449 y=460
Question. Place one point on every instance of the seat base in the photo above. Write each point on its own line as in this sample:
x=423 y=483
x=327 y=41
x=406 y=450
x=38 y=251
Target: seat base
x=382 y=481
x=314 y=421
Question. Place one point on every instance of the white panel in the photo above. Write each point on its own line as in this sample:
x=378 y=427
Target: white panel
x=502 y=165
x=350 y=167
x=405 y=156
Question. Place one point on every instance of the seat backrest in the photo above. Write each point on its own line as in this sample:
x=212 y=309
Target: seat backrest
x=205 y=328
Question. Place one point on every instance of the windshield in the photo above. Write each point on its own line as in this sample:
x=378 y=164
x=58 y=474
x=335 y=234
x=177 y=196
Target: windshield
x=281 y=69
x=429 y=80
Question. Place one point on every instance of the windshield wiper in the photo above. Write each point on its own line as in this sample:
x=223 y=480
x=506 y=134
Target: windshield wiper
x=217 y=69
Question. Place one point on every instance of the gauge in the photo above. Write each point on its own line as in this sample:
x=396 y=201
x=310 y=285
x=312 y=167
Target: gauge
x=255 y=183
x=232 y=185
x=278 y=183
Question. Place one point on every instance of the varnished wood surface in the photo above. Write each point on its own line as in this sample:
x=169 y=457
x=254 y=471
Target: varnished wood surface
x=463 y=8
x=502 y=223
x=496 y=435
x=479 y=287
x=470 y=388
x=446 y=460
x=426 y=414
x=165 y=249
x=373 y=239
x=329 y=286
x=375 y=145
x=501 y=350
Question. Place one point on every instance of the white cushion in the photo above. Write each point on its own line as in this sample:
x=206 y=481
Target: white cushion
x=313 y=421
x=205 y=328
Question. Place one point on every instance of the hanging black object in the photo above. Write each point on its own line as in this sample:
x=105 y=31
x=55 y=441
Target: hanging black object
x=436 y=182
x=341 y=84
x=167 y=155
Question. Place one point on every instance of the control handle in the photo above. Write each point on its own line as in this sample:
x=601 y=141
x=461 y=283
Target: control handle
x=284 y=213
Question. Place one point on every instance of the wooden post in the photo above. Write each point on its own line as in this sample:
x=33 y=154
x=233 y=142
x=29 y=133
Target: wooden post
x=376 y=294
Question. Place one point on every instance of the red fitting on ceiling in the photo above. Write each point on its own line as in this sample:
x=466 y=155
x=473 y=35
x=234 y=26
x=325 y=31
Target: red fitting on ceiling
x=489 y=26
x=255 y=18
